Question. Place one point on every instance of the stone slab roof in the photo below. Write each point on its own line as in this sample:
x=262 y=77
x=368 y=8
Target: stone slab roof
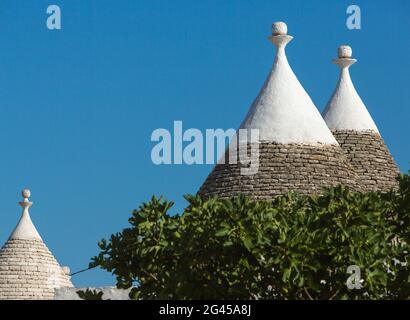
x=283 y=167
x=28 y=270
x=370 y=158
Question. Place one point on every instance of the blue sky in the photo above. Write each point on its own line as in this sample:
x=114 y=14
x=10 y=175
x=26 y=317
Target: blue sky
x=78 y=105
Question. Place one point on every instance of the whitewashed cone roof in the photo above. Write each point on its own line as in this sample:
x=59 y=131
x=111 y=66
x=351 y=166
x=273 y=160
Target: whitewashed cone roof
x=283 y=111
x=28 y=270
x=25 y=228
x=346 y=110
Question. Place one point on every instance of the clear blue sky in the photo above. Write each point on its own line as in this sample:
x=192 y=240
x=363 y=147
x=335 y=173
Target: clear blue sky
x=77 y=106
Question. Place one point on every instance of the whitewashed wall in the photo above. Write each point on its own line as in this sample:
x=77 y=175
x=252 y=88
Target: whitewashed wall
x=111 y=293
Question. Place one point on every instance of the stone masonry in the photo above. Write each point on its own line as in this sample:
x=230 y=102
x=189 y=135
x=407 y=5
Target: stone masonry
x=305 y=169
x=370 y=158
x=28 y=271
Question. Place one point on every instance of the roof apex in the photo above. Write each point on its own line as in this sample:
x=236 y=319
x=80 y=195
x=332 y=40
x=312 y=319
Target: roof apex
x=25 y=228
x=283 y=112
x=345 y=109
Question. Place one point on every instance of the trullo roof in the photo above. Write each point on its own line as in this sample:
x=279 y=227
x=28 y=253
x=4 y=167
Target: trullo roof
x=354 y=129
x=295 y=150
x=28 y=270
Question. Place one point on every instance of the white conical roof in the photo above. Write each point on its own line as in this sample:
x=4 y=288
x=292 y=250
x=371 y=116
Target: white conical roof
x=25 y=229
x=28 y=270
x=283 y=111
x=346 y=110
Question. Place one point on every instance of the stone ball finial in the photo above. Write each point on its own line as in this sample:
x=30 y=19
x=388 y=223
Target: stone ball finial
x=26 y=193
x=344 y=52
x=279 y=28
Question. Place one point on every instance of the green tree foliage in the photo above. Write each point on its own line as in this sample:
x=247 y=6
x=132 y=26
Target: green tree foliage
x=90 y=294
x=295 y=247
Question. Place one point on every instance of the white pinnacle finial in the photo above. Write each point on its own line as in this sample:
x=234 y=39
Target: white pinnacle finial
x=279 y=28
x=344 y=59
x=344 y=51
x=26 y=193
x=25 y=229
x=279 y=35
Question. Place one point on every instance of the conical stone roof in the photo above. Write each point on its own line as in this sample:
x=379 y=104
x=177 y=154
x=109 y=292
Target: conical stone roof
x=353 y=127
x=28 y=270
x=296 y=149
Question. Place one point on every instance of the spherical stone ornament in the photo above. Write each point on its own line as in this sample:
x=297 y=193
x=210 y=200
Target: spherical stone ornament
x=26 y=193
x=279 y=28
x=344 y=51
